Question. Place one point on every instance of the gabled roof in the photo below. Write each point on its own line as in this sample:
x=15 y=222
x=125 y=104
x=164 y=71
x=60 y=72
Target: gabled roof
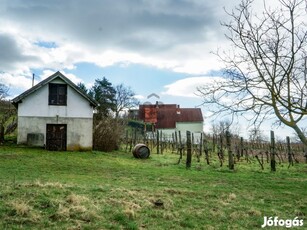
x=165 y=116
x=148 y=112
x=168 y=117
x=56 y=75
x=189 y=115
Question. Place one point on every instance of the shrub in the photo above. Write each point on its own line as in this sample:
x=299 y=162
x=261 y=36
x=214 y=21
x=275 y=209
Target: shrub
x=107 y=133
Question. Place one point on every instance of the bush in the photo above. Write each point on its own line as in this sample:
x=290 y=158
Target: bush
x=107 y=133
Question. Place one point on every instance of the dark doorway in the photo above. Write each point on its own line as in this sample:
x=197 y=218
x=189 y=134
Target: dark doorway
x=56 y=137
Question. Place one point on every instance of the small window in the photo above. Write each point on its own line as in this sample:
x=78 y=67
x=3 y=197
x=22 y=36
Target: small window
x=57 y=94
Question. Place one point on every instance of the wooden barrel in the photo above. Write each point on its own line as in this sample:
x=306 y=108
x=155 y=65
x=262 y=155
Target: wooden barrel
x=141 y=151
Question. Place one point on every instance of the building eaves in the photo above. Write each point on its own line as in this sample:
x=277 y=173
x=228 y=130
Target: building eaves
x=57 y=74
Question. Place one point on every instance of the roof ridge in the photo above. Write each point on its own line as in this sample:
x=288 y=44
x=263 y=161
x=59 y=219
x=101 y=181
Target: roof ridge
x=42 y=83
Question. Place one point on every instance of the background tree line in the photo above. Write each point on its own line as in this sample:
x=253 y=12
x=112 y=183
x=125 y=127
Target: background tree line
x=112 y=100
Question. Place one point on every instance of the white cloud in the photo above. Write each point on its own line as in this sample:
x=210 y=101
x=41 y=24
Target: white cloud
x=187 y=87
x=72 y=77
x=177 y=36
x=140 y=97
x=16 y=80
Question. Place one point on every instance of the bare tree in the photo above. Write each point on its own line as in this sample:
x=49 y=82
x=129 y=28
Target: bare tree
x=124 y=99
x=256 y=135
x=265 y=71
x=3 y=91
x=6 y=110
x=222 y=126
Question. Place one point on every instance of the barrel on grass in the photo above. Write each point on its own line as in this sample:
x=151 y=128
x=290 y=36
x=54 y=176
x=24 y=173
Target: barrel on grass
x=141 y=151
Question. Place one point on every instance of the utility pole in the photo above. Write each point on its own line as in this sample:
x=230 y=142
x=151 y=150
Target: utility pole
x=33 y=79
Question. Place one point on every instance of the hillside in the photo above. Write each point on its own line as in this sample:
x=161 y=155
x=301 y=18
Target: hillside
x=96 y=190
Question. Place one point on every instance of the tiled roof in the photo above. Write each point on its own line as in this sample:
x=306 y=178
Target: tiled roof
x=165 y=116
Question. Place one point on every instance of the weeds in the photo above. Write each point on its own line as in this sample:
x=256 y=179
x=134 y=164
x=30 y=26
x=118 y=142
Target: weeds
x=95 y=190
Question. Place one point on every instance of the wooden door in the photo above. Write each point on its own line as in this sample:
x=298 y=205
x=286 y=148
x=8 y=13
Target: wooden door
x=56 y=137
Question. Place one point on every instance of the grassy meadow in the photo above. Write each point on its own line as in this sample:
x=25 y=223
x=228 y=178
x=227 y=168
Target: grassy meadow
x=96 y=190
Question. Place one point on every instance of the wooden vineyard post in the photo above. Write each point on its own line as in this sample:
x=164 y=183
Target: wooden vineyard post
x=134 y=137
x=241 y=147
x=272 y=152
x=180 y=141
x=158 y=142
x=200 y=147
x=173 y=142
x=220 y=151
x=127 y=140
x=206 y=151
x=289 y=152
x=192 y=143
x=144 y=137
x=176 y=140
x=189 y=150
x=161 y=142
x=131 y=141
x=180 y=147
x=230 y=156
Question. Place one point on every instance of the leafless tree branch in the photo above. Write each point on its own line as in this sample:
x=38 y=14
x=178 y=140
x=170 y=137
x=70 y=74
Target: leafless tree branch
x=265 y=71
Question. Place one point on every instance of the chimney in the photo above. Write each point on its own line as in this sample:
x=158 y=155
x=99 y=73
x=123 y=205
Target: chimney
x=33 y=79
x=178 y=110
x=157 y=104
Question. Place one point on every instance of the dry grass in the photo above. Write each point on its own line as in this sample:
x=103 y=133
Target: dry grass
x=24 y=211
x=74 y=199
x=21 y=208
x=94 y=190
x=254 y=212
x=40 y=184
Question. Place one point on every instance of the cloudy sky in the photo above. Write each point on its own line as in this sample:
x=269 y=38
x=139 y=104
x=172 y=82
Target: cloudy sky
x=153 y=46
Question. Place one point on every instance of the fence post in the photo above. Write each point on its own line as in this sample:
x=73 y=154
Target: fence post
x=241 y=147
x=135 y=137
x=127 y=140
x=272 y=152
x=161 y=142
x=180 y=147
x=206 y=150
x=180 y=141
x=158 y=142
x=230 y=156
x=200 y=146
x=173 y=142
x=289 y=152
x=189 y=150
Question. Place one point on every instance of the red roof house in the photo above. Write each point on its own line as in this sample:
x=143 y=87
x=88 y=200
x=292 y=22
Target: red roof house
x=170 y=117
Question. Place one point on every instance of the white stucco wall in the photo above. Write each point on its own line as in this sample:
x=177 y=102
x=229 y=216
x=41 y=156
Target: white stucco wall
x=194 y=127
x=79 y=130
x=167 y=133
x=34 y=113
x=36 y=104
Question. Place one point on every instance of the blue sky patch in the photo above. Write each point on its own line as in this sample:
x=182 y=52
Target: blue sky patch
x=46 y=44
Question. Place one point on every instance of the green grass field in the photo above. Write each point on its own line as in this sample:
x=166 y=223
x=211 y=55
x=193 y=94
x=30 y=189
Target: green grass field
x=96 y=190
